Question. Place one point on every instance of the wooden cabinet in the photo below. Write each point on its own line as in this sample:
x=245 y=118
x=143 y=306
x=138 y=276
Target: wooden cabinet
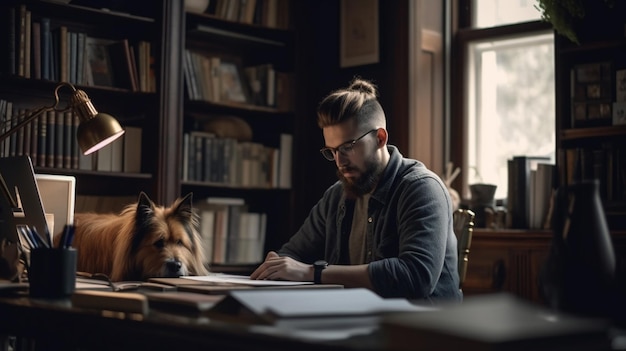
x=507 y=260
x=511 y=260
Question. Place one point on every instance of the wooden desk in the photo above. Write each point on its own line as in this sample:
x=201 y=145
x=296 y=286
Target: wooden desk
x=56 y=325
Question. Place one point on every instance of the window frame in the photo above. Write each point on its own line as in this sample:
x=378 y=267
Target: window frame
x=462 y=34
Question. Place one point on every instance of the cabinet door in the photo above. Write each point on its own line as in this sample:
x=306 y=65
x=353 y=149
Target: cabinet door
x=507 y=260
x=487 y=271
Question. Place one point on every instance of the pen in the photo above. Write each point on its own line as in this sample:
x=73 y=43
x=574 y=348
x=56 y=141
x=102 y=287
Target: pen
x=37 y=239
x=68 y=236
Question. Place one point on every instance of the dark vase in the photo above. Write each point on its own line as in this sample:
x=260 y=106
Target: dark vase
x=579 y=274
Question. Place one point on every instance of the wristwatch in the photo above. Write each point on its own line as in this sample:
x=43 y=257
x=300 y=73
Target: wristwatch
x=318 y=267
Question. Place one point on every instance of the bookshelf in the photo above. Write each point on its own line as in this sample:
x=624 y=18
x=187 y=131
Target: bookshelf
x=238 y=117
x=589 y=97
x=48 y=42
x=144 y=81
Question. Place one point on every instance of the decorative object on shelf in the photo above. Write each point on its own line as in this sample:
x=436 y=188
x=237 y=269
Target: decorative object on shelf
x=196 y=6
x=229 y=127
x=95 y=131
x=482 y=201
x=579 y=274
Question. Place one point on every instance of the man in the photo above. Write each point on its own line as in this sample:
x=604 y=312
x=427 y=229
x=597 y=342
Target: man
x=386 y=225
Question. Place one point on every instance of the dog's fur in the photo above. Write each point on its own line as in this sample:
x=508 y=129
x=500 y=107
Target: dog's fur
x=143 y=241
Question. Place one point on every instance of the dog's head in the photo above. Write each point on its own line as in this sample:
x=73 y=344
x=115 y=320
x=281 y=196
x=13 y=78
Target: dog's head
x=165 y=241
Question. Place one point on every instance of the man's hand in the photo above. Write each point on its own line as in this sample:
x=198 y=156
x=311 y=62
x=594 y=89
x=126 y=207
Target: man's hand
x=282 y=268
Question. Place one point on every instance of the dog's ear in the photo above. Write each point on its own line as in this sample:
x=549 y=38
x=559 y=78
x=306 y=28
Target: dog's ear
x=184 y=210
x=145 y=207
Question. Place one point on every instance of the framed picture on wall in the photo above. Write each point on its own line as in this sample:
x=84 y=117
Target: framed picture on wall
x=359 y=33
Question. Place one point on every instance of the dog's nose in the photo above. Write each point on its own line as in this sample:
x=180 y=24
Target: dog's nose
x=173 y=266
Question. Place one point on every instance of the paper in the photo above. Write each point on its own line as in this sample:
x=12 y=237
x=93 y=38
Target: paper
x=305 y=303
x=242 y=279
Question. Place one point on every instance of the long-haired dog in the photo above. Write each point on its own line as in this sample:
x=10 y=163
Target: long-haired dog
x=143 y=241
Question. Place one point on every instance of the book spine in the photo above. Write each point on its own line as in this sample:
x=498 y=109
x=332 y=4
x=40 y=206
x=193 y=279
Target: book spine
x=42 y=143
x=27 y=44
x=46 y=50
x=8 y=63
x=36 y=50
x=50 y=135
x=21 y=39
x=67 y=139
x=59 y=140
x=76 y=152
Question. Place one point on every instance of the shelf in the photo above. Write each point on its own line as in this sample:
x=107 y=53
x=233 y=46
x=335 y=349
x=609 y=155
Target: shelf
x=594 y=132
x=232 y=108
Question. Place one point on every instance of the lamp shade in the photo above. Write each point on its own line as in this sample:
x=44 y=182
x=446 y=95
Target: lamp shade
x=97 y=132
x=96 y=129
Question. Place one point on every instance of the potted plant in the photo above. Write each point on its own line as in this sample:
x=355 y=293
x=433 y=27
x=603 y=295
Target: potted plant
x=567 y=15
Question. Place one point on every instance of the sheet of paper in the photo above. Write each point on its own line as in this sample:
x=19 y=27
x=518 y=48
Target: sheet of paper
x=242 y=279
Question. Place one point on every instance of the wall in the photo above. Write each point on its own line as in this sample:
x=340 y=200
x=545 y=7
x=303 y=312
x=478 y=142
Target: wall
x=319 y=74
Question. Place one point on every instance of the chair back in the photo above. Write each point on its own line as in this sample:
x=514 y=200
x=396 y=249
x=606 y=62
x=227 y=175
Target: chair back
x=463 y=227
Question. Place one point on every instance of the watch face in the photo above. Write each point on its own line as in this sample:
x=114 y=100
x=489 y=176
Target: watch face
x=320 y=263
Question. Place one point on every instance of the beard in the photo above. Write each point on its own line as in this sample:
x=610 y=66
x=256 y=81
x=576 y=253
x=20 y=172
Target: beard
x=356 y=187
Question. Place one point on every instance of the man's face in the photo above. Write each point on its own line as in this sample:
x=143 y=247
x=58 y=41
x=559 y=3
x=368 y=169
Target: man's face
x=358 y=163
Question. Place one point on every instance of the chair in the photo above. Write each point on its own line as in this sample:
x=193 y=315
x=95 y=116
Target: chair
x=463 y=227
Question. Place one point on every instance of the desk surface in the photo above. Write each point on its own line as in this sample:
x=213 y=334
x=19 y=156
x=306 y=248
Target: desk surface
x=57 y=322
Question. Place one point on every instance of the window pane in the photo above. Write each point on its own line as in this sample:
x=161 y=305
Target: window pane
x=491 y=13
x=511 y=105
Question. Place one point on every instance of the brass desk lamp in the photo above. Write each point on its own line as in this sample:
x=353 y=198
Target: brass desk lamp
x=95 y=130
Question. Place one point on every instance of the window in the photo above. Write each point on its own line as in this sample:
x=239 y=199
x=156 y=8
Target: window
x=508 y=89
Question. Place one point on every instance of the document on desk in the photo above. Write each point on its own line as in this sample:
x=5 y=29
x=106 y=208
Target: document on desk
x=241 y=279
x=273 y=305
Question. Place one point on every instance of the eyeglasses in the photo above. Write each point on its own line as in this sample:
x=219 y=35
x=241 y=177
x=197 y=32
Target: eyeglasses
x=345 y=148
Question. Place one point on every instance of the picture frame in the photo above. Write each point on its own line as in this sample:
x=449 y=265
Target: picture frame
x=99 y=69
x=232 y=85
x=359 y=41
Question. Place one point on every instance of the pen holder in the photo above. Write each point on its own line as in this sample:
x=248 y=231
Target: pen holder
x=52 y=272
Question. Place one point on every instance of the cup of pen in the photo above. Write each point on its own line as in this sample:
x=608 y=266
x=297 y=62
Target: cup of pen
x=52 y=270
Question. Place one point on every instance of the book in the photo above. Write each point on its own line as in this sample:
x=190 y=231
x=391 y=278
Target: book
x=50 y=137
x=63 y=63
x=129 y=302
x=518 y=194
x=9 y=19
x=122 y=65
x=81 y=39
x=27 y=44
x=132 y=149
x=100 y=70
x=36 y=50
x=46 y=49
x=73 y=54
x=182 y=301
x=494 y=322
x=21 y=39
x=117 y=155
x=285 y=162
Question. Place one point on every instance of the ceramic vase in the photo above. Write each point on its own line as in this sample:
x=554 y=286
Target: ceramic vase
x=579 y=275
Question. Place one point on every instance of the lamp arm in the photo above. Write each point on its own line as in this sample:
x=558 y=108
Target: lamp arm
x=27 y=120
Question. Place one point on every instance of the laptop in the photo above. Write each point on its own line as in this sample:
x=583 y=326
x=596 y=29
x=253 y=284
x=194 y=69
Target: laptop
x=22 y=195
x=58 y=195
